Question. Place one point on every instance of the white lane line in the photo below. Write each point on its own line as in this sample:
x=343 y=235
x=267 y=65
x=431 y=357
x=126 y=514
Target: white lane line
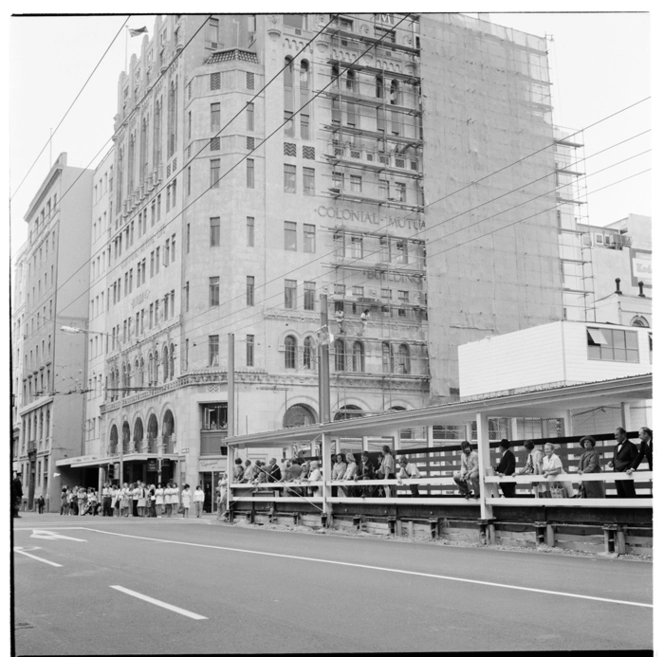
x=159 y=603
x=53 y=536
x=388 y=570
x=32 y=556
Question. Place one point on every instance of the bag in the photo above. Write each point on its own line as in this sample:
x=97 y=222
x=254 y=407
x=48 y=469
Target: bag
x=558 y=491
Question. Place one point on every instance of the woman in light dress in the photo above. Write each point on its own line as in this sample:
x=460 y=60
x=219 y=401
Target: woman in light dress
x=142 y=501
x=551 y=466
x=186 y=500
x=199 y=500
x=125 y=501
x=175 y=498
x=348 y=475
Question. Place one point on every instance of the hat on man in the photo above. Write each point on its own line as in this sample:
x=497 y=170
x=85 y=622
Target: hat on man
x=504 y=443
x=590 y=438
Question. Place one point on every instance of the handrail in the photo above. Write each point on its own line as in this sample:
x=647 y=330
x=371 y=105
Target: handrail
x=641 y=475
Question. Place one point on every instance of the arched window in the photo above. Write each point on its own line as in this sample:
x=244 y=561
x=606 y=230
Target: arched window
x=113 y=441
x=290 y=354
x=152 y=434
x=403 y=359
x=339 y=355
x=171 y=366
x=387 y=358
x=640 y=321
x=304 y=76
x=141 y=373
x=165 y=361
x=168 y=429
x=348 y=412
x=128 y=384
x=156 y=367
x=299 y=415
x=138 y=436
x=308 y=355
x=380 y=90
x=358 y=357
x=351 y=82
x=288 y=72
x=150 y=369
x=125 y=437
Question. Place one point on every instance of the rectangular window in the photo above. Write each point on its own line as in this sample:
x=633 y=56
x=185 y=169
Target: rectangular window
x=309 y=181
x=290 y=236
x=356 y=183
x=212 y=36
x=339 y=245
x=400 y=192
x=153 y=212
x=250 y=350
x=290 y=185
x=289 y=128
x=151 y=323
x=186 y=297
x=309 y=295
x=402 y=252
x=215 y=231
x=304 y=126
x=250 y=173
x=173 y=248
x=213 y=350
x=356 y=247
x=188 y=181
x=215 y=117
x=309 y=238
x=250 y=117
x=214 y=290
x=156 y=261
x=290 y=294
x=250 y=290
x=337 y=180
x=250 y=231
x=214 y=173
x=158 y=207
x=386 y=293
x=612 y=344
x=215 y=81
x=151 y=267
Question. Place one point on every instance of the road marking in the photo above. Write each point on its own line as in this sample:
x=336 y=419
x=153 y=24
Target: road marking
x=32 y=556
x=52 y=536
x=380 y=568
x=159 y=603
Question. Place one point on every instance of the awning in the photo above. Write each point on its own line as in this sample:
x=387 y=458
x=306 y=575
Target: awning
x=99 y=461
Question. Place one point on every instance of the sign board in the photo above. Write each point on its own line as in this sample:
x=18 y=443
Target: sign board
x=152 y=465
x=184 y=450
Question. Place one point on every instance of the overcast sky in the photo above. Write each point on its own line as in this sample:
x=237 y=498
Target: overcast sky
x=600 y=64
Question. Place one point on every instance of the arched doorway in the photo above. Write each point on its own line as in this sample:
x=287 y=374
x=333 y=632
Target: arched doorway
x=153 y=429
x=168 y=429
x=113 y=441
x=138 y=436
x=299 y=415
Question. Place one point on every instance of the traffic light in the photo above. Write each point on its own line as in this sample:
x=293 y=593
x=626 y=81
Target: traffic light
x=111 y=472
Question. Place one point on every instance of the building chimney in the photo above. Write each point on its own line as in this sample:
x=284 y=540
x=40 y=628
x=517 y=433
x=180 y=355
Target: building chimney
x=618 y=286
x=641 y=289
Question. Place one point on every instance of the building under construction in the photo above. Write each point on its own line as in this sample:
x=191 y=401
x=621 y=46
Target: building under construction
x=400 y=166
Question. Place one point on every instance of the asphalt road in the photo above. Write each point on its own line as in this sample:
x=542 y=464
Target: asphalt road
x=255 y=590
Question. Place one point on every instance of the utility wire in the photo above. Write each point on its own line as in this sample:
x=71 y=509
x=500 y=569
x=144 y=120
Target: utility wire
x=70 y=106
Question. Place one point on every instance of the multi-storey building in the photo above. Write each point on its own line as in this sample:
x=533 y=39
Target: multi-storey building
x=264 y=165
x=18 y=333
x=52 y=366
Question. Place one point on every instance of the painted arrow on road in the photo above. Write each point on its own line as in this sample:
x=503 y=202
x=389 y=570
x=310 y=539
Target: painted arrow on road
x=52 y=536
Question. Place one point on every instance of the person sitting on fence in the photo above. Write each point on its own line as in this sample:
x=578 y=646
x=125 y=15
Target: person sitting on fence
x=589 y=463
x=261 y=474
x=533 y=466
x=238 y=471
x=624 y=454
x=273 y=473
x=339 y=468
x=506 y=467
x=365 y=470
x=645 y=449
x=408 y=471
x=468 y=478
x=349 y=475
x=551 y=466
x=249 y=472
x=315 y=475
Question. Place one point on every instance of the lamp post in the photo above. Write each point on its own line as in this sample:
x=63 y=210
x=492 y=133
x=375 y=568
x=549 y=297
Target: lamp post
x=75 y=329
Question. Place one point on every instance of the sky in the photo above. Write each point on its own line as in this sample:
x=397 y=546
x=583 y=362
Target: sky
x=600 y=64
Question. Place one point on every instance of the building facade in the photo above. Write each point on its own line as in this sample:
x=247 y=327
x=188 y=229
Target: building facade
x=259 y=184
x=54 y=281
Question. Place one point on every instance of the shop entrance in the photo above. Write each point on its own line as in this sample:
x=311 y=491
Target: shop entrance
x=210 y=481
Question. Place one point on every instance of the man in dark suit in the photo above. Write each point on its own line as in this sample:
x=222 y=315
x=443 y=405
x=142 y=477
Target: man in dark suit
x=645 y=449
x=365 y=470
x=17 y=495
x=624 y=454
x=507 y=466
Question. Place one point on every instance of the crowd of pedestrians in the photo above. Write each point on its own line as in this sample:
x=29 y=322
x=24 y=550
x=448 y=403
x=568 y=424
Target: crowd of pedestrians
x=138 y=500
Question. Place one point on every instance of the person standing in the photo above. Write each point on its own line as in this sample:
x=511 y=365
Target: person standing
x=624 y=454
x=135 y=492
x=159 y=500
x=175 y=498
x=126 y=501
x=106 y=499
x=552 y=466
x=64 y=502
x=645 y=450
x=506 y=467
x=17 y=494
x=186 y=500
x=222 y=493
x=589 y=463
x=349 y=475
x=81 y=498
x=389 y=468
x=142 y=501
x=199 y=499
x=365 y=471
